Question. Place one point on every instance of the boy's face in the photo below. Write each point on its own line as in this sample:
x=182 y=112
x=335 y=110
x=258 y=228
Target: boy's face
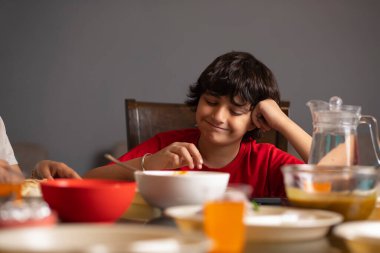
x=222 y=121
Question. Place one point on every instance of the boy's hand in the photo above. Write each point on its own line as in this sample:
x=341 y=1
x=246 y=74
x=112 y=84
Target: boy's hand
x=267 y=115
x=51 y=169
x=176 y=155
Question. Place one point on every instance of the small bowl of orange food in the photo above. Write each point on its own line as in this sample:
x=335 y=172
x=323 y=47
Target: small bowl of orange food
x=348 y=190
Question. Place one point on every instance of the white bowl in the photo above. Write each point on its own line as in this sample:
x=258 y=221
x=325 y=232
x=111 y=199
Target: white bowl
x=172 y=188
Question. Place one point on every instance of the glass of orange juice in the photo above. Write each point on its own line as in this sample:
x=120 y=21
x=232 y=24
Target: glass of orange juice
x=223 y=223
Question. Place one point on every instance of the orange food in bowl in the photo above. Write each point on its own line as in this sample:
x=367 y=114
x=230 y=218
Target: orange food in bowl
x=317 y=186
x=88 y=200
x=181 y=172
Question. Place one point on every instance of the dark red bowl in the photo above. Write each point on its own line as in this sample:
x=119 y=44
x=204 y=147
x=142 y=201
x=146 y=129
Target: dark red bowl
x=88 y=200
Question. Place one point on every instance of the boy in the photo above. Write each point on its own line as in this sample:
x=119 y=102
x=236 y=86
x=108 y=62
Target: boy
x=235 y=99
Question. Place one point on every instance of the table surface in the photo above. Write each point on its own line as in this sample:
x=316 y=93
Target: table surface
x=328 y=244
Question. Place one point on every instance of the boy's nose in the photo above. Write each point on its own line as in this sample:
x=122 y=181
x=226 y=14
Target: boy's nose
x=220 y=114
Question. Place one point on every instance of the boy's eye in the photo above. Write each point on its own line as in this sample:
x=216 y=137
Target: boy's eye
x=211 y=102
x=236 y=113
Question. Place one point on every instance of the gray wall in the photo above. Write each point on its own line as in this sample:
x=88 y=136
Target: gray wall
x=66 y=66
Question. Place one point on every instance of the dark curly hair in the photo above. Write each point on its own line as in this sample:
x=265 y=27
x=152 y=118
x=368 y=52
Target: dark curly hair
x=236 y=74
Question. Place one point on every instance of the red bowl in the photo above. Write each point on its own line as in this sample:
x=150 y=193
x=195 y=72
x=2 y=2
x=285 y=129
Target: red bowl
x=88 y=200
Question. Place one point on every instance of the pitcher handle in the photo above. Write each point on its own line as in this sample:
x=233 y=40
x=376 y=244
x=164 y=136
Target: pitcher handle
x=372 y=124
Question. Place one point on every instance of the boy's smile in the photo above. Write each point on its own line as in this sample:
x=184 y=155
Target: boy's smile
x=217 y=128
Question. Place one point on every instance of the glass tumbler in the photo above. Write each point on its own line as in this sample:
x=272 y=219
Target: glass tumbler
x=224 y=222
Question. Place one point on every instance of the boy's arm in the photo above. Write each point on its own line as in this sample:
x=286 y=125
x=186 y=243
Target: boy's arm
x=176 y=155
x=114 y=171
x=297 y=137
x=268 y=115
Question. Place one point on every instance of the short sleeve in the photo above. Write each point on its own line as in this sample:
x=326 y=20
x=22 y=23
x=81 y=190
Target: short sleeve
x=6 y=151
x=152 y=145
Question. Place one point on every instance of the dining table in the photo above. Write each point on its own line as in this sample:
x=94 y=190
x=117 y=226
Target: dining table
x=145 y=216
x=328 y=244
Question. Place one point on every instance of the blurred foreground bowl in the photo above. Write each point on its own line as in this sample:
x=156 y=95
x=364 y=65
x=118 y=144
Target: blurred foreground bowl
x=88 y=200
x=348 y=190
x=172 y=188
x=360 y=236
x=109 y=238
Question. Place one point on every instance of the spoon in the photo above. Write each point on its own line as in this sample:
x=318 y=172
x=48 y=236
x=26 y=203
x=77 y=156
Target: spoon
x=113 y=159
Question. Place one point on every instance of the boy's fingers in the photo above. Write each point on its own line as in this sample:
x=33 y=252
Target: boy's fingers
x=74 y=174
x=65 y=171
x=184 y=156
x=264 y=124
x=196 y=155
x=45 y=173
x=259 y=121
x=256 y=120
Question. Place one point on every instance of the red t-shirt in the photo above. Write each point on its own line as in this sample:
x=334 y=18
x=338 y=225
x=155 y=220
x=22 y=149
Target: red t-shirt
x=256 y=164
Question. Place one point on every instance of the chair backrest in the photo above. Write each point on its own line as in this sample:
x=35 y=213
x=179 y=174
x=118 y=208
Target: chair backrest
x=145 y=119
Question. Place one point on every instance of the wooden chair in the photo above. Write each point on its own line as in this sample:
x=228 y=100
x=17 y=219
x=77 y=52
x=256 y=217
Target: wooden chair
x=145 y=119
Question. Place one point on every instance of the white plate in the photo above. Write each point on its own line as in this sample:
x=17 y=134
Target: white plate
x=101 y=238
x=360 y=236
x=270 y=223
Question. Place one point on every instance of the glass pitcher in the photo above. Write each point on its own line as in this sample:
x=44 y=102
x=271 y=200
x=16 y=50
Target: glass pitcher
x=335 y=139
